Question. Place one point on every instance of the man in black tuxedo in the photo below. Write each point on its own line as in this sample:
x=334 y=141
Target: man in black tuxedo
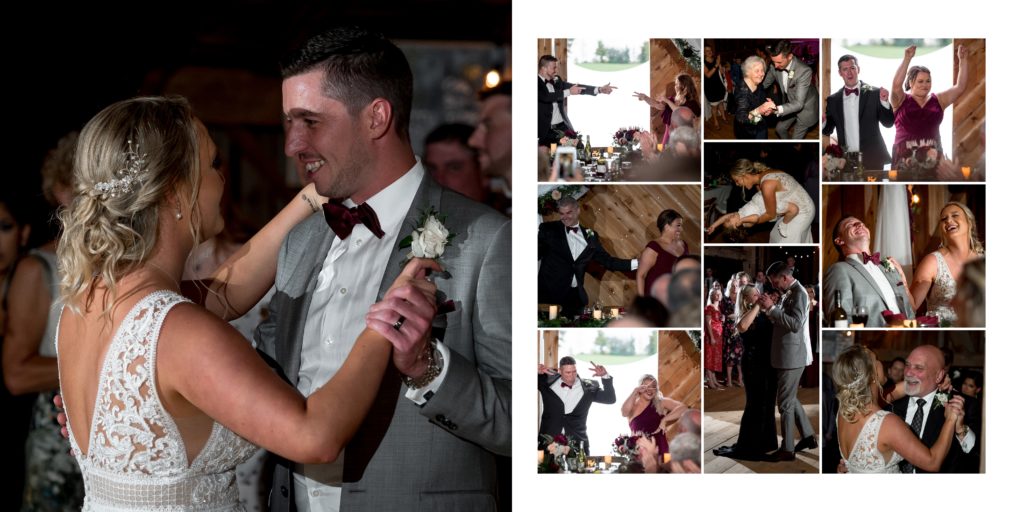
x=567 y=399
x=855 y=111
x=924 y=372
x=564 y=250
x=551 y=94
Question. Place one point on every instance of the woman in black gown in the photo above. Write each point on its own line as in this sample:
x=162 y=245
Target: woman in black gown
x=752 y=103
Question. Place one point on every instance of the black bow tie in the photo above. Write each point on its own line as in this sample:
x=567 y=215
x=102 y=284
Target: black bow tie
x=564 y=385
x=574 y=229
x=849 y=91
x=342 y=218
x=549 y=81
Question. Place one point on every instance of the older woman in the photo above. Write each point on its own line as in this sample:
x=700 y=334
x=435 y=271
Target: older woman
x=752 y=103
x=918 y=120
x=779 y=198
x=937 y=274
x=649 y=412
x=875 y=441
x=661 y=254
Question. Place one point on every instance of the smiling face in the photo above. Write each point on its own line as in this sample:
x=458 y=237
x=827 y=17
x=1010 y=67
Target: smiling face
x=921 y=84
x=324 y=138
x=548 y=70
x=850 y=72
x=651 y=388
x=896 y=370
x=755 y=73
x=568 y=373
x=781 y=60
x=854 y=236
x=569 y=214
x=673 y=230
x=924 y=370
x=953 y=224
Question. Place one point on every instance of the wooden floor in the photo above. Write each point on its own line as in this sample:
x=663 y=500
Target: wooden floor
x=725 y=132
x=722 y=412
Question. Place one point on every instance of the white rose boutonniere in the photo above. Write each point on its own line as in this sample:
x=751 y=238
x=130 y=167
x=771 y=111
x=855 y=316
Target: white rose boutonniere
x=941 y=397
x=429 y=238
x=589 y=232
x=887 y=264
x=790 y=73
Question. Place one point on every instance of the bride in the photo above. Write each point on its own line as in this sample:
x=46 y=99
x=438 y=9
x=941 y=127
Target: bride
x=164 y=429
x=936 y=276
x=872 y=440
x=779 y=198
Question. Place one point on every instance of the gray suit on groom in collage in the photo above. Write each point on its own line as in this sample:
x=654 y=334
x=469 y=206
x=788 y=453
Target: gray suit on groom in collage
x=790 y=341
x=404 y=457
x=800 y=99
x=856 y=288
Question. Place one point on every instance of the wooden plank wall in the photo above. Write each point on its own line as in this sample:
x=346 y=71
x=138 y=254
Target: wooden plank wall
x=679 y=370
x=969 y=110
x=625 y=218
x=861 y=201
x=666 y=63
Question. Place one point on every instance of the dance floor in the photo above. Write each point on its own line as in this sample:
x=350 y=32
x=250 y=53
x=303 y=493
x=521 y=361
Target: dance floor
x=722 y=412
x=724 y=131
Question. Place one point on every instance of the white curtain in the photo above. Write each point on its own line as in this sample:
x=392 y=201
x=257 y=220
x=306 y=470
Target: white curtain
x=892 y=225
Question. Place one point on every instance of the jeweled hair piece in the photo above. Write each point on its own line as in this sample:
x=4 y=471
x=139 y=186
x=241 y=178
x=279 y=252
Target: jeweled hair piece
x=126 y=178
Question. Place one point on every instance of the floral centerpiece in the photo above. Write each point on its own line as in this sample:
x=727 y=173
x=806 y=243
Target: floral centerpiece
x=833 y=160
x=625 y=446
x=917 y=156
x=627 y=138
x=569 y=138
x=561 y=454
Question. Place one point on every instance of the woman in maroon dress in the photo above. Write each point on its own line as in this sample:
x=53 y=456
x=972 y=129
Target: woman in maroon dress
x=713 y=339
x=661 y=254
x=650 y=413
x=919 y=115
x=685 y=96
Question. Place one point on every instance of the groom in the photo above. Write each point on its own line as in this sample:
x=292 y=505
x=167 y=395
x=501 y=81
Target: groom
x=567 y=399
x=855 y=111
x=791 y=352
x=564 y=250
x=552 y=91
x=799 y=108
x=860 y=278
x=444 y=409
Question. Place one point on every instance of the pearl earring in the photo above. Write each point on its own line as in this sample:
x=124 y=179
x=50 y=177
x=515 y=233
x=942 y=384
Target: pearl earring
x=177 y=215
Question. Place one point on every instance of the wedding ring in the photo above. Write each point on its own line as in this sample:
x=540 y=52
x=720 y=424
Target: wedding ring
x=398 y=323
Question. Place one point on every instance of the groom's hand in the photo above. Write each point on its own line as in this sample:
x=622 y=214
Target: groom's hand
x=405 y=315
x=598 y=370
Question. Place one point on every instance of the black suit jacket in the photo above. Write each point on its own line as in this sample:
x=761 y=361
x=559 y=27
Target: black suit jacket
x=956 y=460
x=546 y=99
x=557 y=268
x=874 y=152
x=554 y=419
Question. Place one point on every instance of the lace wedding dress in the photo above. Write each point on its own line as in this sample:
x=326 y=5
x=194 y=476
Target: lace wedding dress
x=865 y=457
x=797 y=230
x=940 y=297
x=137 y=458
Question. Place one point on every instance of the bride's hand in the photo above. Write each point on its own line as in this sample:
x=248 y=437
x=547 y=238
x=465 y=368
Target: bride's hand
x=405 y=315
x=954 y=408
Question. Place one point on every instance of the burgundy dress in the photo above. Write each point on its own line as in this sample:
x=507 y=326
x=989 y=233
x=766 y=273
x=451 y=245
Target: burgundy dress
x=647 y=422
x=915 y=123
x=662 y=265
x=713 y=353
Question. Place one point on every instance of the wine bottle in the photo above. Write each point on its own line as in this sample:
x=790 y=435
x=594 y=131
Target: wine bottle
x=838 y=317
x=586 y=148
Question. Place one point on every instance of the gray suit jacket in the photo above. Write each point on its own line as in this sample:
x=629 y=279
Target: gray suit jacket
x=440 y=456
x=789 y=329
x=857 y=288
x=801 y=95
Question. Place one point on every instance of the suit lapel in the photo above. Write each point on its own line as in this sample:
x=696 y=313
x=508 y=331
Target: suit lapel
x=867 y=277
x=427 y=196
x=862 y=102
x=307 y=271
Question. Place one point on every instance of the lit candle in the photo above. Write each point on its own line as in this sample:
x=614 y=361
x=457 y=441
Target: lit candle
x=660 y=147
x=554 y=147
x=908 y=323
x=597 y=314
x=552 y=312
x=611 y=150
x=966 y=171
x=872 y=178
x=893 y=174
x=615 y=312
x=666 y=457
x=540 y=456
x=608 y=460
x=856 y=326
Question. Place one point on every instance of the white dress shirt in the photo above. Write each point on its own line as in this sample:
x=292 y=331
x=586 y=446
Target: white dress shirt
x=571 y=396
x=556 y=116
x=851 y=119
x=888 y=295
x=345 y=288
x=577 y=244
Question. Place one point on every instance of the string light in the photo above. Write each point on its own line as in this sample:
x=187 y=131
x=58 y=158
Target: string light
x=492 y=79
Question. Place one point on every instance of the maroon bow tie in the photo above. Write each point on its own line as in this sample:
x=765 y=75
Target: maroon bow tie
x=573 y=229
x=342 y=218
x=564 y=385
x=873 y=258
x=849 y=91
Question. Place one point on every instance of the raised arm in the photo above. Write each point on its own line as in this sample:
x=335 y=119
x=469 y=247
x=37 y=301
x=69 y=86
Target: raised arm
x=207 y=363
x=239 y=283
x=25 y=371
x=949 y=96
x=627 y=404
x=896 y=435
x=898 y=95
x=647 y=260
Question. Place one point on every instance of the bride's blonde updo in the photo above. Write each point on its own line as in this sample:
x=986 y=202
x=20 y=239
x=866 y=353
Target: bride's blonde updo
x=744 y=167
x=853 y=374
x=131 y=157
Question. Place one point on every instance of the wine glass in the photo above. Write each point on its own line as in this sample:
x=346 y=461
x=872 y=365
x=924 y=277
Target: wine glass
x=860 y=315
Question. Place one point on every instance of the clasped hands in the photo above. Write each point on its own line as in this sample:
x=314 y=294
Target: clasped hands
x=405 y=316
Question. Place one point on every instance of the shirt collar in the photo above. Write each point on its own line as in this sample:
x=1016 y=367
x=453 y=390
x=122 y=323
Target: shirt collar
x=928 y=399
x=392 y=203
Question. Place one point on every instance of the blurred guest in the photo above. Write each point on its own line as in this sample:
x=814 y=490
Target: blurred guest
x=970 y=384
x=452 y=162
x=969 y=303
x=493 y=139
